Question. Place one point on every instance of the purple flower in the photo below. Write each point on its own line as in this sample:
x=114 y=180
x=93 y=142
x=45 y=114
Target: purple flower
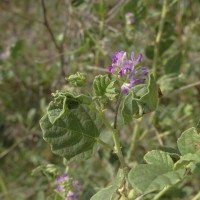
x=72 y=195
x=136 y=81
x=129 y=18
x=60 y=188
x=111 y=69
x=64 y=177
x=136 y=60
x=127 y=70
x=118 y=58
x=125 y=88
x=67 y=187
x=76 y=183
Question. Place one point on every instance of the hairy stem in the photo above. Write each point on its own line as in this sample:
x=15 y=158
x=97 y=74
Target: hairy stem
x=161 y=193
x=133 y=141
x=117 y=147
x=158 y=37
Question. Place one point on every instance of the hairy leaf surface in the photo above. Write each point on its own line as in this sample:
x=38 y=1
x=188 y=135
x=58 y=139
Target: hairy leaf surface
x=73 y=133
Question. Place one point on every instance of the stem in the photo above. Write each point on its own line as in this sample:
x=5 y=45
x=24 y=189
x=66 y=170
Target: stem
x=116 y=111
x=116 y=137
x=161 y=193
x=59 y=48
x=133 y=141
x=158 y=37
x=102 y=23
x=197 y=196
x=117 y=149
x=104 y=144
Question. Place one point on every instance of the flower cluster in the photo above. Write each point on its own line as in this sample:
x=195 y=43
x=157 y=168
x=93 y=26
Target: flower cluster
x=127 y=69
x=130 y=18
x=67 y=187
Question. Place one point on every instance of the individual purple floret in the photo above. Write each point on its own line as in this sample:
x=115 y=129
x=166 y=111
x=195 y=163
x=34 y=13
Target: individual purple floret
x=125 y=88
x=72 y=195
x=67 y=187
x=64 y=177
x=128 y=70
x=129 y=18
x=60 y=188
x=76 y=184
x=118 y=58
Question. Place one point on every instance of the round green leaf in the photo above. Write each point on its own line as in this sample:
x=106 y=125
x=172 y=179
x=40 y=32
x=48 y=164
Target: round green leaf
x=73 y=133
x=188 y=141
x=159 y=158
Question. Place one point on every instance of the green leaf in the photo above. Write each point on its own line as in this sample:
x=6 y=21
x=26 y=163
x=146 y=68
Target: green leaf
x=103 y=86
x=174 y=153
x=109 y=192
x=149 y=177
x=73 y=133
x=77 y=80
x=149 y=51
x=165 y=44
x=130 y=107
x=189 y=141
x=150 y=100
x=159 y=158
x=141 y=176
x=174 y=63
x=141 y=99
x=186 y=159
x=64 y=101
x=164 y=180
x=56 y=109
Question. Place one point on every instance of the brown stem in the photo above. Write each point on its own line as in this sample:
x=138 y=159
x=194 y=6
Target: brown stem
x=59 y=48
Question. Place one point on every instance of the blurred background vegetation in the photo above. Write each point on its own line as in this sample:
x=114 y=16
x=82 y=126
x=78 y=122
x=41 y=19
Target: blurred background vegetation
x=42 y=42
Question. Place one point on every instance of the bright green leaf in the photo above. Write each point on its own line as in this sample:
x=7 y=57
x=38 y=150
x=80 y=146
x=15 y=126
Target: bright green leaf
x=149 y=177
x=189 y=141
x=64 y=101
x=109 y=192
x=186 y=159
x=130 y=108
x=164 y=180
x=103 y=86
x=141 y=176
x=159 y=158
x=56 y=109
x=141 y=99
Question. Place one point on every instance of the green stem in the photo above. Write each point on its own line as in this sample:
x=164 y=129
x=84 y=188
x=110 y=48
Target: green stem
x=117 y=147
x=158 y=37
x=104 y=144
x=197 y=196
x=161 y=193
x=133 y=141
x=102 y=23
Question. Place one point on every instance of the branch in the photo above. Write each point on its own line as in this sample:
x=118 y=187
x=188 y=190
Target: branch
x=46 y=24
x=60 y=48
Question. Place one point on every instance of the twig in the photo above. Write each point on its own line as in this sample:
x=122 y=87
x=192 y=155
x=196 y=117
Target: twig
x=158 y=37
x=46 y=23
x=60 y=48
x=114 y=10
x=182 y=88
x=158 y=136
